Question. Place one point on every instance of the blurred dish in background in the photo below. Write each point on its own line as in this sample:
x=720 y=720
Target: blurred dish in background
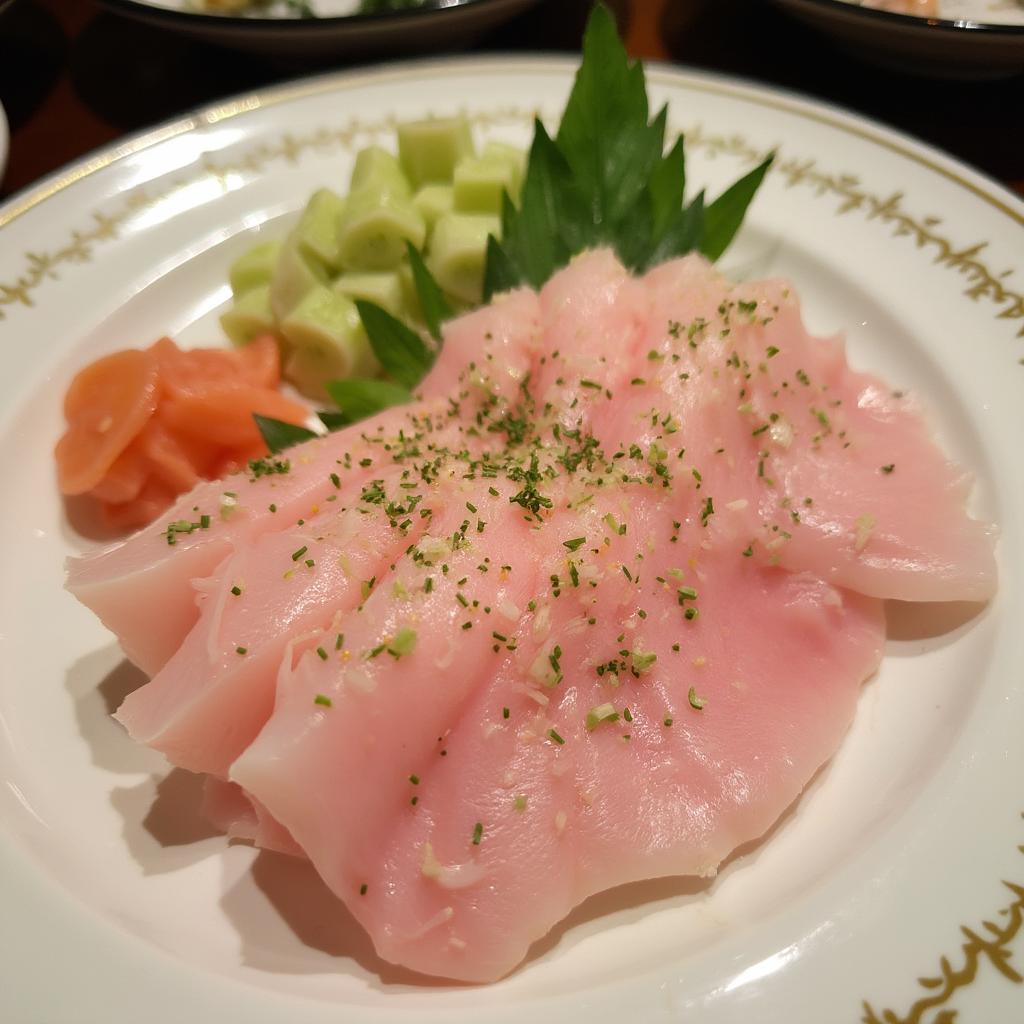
x=983 y=12
x=3 y=142
x=944 y=38
x=343 y=27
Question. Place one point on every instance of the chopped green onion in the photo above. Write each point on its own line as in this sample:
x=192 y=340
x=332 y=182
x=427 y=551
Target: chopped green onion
x=601 y=713
x=404 y=642
x=643 y=660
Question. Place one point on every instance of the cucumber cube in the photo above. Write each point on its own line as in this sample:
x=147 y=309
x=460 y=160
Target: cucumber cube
x=254 y=267
x=457 y=252
x=430 y=149
x=328 y=342
x=250 y=316
x=374 y=227
x=378 y=169
x=434 y=201
x=513 y=156
x=478 y=184
x=385 y=289
x=294 y=276
x=317 y=230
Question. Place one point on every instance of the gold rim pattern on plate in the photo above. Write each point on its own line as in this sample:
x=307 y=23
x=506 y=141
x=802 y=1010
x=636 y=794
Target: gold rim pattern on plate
x=967 y=261
x=995 y=948
x=980 y=282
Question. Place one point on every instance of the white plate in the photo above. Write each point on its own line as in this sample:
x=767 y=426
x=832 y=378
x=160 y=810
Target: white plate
x=968 y=39
x=119 y=905
x=338 y=28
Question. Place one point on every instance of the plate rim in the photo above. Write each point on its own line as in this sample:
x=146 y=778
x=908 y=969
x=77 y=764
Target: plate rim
x=922 y=152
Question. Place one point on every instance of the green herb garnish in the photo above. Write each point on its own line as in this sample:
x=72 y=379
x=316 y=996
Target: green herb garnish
x=280 y=435
x=360 y=398
x=434 y=306
x=400 y=350
x=605 y=179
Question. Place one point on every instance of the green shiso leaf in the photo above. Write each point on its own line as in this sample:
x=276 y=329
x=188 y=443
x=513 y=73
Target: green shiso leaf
x=434 y=305
x=605 y=179
x=723 y=217
x=667 y=185
x=545 y=231
x=280 y=435
x=333 y=419
x=358 y=399
x=400 y=350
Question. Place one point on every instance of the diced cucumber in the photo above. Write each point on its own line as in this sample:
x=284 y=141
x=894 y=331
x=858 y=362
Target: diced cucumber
x=250 y=316
x=434 y=201
x=383 y=288
x=457 y=252
x=254 y=267
x=317 y=230
x=328 y=342
x=294 y=276
x=374 y=227
x=378 y=169
x=478 y=184
x=513 y=156
x=430 y=149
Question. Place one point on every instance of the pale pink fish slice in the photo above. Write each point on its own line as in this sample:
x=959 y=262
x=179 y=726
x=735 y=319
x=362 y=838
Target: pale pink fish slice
x=447 y=897
x=489 y=351
x=817 y=466
x=594 y=316
x=211 y=698
x=140 y=588
x=228 y=807
x=378 y=711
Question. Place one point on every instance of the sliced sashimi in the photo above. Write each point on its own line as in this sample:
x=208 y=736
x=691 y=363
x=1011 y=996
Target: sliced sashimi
x=141 y=588
x=488 y=806
x=229 y=808
x=600 y=608
x=840 y=473
x=423 y=641
x=491 y=350
x=726 y=394
x=211 y=698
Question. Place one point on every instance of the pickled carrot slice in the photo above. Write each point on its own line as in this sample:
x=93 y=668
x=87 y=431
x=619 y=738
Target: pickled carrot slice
x=106 y=406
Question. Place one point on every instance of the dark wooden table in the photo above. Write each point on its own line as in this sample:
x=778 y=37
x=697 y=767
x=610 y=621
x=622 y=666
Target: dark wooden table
x=74 y=77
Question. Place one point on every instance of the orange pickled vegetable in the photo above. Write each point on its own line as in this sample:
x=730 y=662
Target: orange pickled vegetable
x=147 y=425
x=107 y=405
